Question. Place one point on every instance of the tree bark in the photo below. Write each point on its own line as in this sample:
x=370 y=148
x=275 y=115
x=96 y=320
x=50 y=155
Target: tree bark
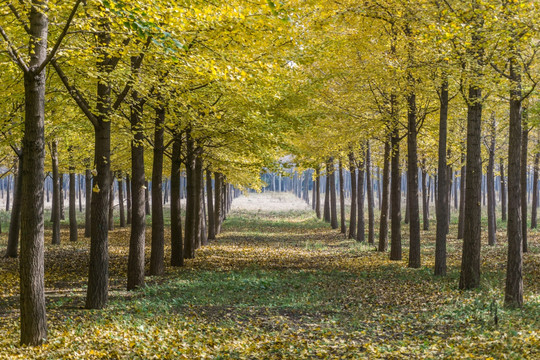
x=192 y=199
x=352 y=220
x=157 y=252
x=383 y=230
x=503 y=191
x=371 y=205
x=72 y=206
x=218 y=202
x=121 y=200
x=32 y=284
x=128 y=199
x=146 y=198
x=534 y=206
x=513 y=296
x=210 y=201
x=470 y=262
x=177 y=255
x=342 y=198
x=326 y=212
x=360 y=194
x=111 y=204
x=56 y=197
x=523 y=169
x=395 y=196
x=318 y=193
x=333 y=197
x=490 y=184
x=425 y=200
x=412 y=185
x=461 y=216
x=135 y=274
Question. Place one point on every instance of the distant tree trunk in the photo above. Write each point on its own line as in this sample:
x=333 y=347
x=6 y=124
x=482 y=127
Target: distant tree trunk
x=406 y=191
x=461 y=219
x=192 y=210
x=218 y=206
x=121 y=200
x=513 y=296
x=62 y=213
x=524 y=153
x=146 y=198
x=80 y=192
x=135 y=274
x=72 y=206
x=326 y=213
x=490 y=184
x=333 y=198
x=503 y=190
x=202 y=238
x=342 y=198
x=87 y=203
x=395 y=197
x=177 y=255
x=128 y=199
x=8 y=190
x=56 y=197
x=470 y=262
x=371 y=205
x=412 y=184
x=534 y=206
x=383 y=231
x=211 y=212
x=360 y=194
x=157 y=253
x=318 y=193
x=111 y=203
x=425 y=199
x=15 y=221
x=352 y=220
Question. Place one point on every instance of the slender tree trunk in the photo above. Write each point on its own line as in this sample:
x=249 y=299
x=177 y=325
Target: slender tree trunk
x=15 y=220
x=62 y=193
x=534 y=206
x=56 y=200
x=8 y=190
x=135 y=274
x=128 y=199
x=490 y=184
x=318 y=193
x=470 y=262
x=503 y=191
x=111 y=204
x=524 y=153
x=333 y=198
x=383 y=231
x=31 y=263
x=425 y=200
x=191 y=203
x=146 y=198
x=513 y=296
x=88 y=201
x=412 y=185
x=218 y=206
x=80 y=192
x=461 y=219
x=72 y=206
x=211 y=212
x=371 y=205
x=360 y=194
x=121 y=200
x=342 y=198
x=177 y=255
x=157 y=253
x=352 y=220
x=395 y=197
x=202 y=237
x=326 y=212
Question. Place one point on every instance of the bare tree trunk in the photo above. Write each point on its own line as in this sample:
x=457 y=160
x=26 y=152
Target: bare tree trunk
x=461 y=219
x=383 y=230
x=157 y=252
x=395 y=197
x=523 y=169
x=120 y=184
x=352 y=220
x=503 y=191
x=371 y=205
x=218 y=206
x=88 y=201
x=56 y=200
x=15 y=220
x=534 y=206
x=210 y=201
x=333 y=200
x=490 y=184
x=111 y=203
x=342 y=198
x=177 y=255
x=360 y=194
x=412 y=185
x=425 y=199
x=128 y=199
x=72 y=206
x=318 y=194
x=326 y=213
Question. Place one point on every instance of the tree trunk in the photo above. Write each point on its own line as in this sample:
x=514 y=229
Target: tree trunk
x=461 y=218
x=333 y=198
x=523 y=169
x=8 y=190
x=371 y=215
x=87 y=202
x=135 y=274
x=157 y=253
x=342 y=198
x=503 y=191
x=412 y=185
x=202 y=238
x=470 y=261
x=513 y=296
x=72 y=206
x=128 y=199
x=490 y=184
x=15 y=220
x=425 y=200
x=32 y=287
x=146 y=198
x=62 y=195
x=121 y=200
x=211 y=212
x=326 y=212
x=352 y=220
x=218 y=206
x=111 y=204
x=395 y=197
x=80 y=192
x=383 y=230
x=177 y=255
x=56 y=197
x=192 y=198
x=360 y=194
x=318 y=193
x=534 y=206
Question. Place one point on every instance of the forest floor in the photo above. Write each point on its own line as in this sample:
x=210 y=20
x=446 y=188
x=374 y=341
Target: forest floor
x=279 y=284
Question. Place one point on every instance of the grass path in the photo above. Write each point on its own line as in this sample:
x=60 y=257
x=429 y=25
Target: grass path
x=278 y=284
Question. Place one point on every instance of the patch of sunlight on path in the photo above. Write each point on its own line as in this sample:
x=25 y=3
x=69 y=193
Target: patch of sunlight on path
x=269 y=202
